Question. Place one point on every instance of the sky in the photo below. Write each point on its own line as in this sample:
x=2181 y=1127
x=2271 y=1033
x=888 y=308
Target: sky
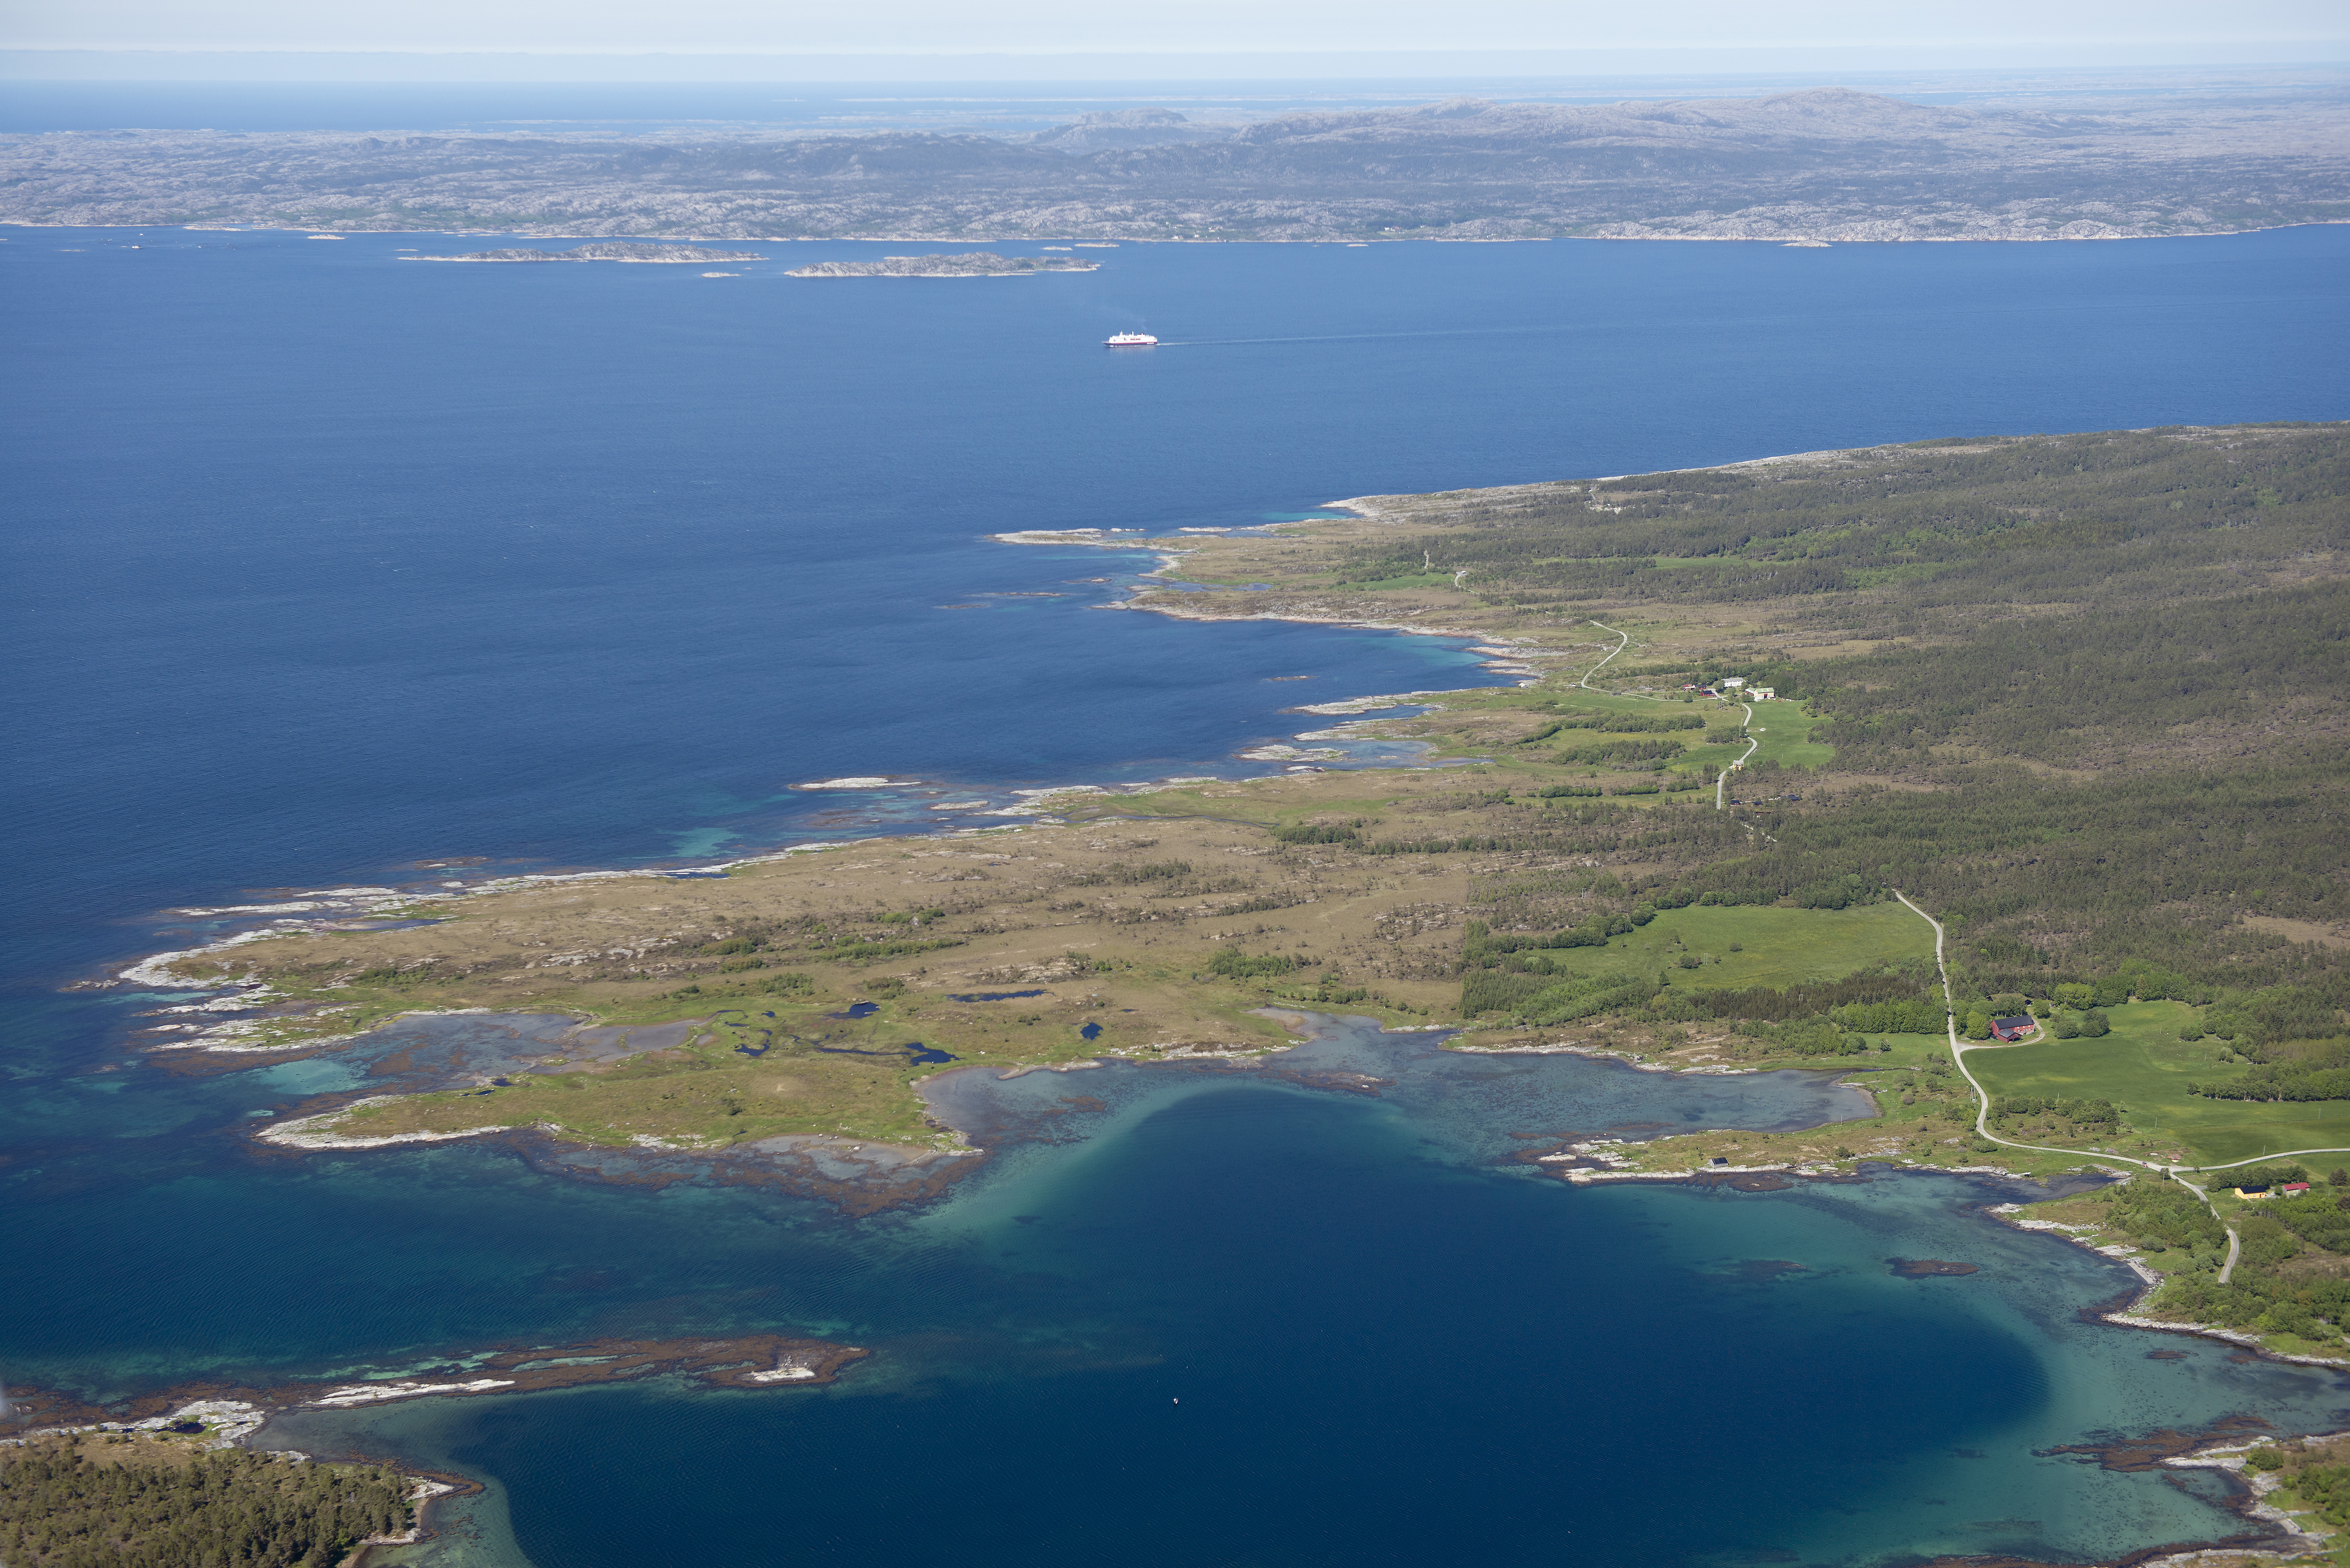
x=1996 y=31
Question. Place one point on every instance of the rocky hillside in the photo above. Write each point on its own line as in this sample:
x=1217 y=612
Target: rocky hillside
x=1829 y=163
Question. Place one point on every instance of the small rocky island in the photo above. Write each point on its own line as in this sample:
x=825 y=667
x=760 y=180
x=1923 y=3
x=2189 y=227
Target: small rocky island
x=972 y=264
x=605 y=250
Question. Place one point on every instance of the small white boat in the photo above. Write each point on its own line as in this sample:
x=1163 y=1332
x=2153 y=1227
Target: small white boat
x=1130 y=340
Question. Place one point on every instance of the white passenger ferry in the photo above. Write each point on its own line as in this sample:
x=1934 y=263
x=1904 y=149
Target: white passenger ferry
x=1130 y=340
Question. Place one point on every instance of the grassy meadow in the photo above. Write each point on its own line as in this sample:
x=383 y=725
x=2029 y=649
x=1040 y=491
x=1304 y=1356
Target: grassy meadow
x=1737 y=945
x=1785 y=730
x=2144 y=1067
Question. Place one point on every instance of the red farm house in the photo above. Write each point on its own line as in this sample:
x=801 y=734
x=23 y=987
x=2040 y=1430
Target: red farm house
x=2013 y=1028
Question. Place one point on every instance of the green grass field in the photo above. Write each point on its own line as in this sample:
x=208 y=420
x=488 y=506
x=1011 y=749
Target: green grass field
x=1785 y=730
x=1777 y=947
x=1574 y=700
x=1715 y=757
x=2144 y=1067
x=1581 y=699
x=1909 y=1050
x=1371 y=585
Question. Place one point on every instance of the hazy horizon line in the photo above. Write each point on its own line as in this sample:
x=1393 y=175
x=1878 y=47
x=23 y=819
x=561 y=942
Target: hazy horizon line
x=61 y=65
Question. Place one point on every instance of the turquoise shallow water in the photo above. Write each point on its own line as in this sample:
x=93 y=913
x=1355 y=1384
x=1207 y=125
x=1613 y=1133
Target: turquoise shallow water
x=1224 y=1316
x=331 y=562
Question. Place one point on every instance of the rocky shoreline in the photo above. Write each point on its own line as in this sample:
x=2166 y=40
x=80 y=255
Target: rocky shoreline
x=221 y=1412
x=2275 y=1536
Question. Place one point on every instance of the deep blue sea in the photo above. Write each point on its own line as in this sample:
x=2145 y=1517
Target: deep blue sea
x=328 y=562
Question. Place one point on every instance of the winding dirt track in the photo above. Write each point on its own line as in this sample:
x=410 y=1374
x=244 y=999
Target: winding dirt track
x=1586 y=682
x=1982 y=1107
x=1753 y=743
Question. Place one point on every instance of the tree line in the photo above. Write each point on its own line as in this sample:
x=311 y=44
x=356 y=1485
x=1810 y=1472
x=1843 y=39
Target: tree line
x=93 y=1503
x=2156 y=613
x=2049 y=520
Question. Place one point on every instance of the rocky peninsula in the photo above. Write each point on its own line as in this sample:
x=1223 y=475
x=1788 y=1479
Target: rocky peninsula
x=217 y=1422
x=1632 y=851
x=229 y=1409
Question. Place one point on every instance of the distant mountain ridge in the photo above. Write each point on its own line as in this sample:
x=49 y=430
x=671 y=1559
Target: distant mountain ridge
x=1828 y=163
x=1125 y=127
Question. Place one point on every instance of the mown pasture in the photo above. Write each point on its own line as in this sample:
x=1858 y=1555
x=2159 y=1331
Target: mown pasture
x=2144 y=1068
x=1737 y=945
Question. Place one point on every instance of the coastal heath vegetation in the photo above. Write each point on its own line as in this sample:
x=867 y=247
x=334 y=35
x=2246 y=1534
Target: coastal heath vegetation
x=2311 y=1479
x=2289 y=1287
x=2079 y=696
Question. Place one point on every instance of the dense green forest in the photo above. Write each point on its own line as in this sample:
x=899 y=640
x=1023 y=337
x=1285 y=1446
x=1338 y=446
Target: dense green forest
x=2041 y=883
x=1951 y=524
x=2100 y=727
x=2132 y=886
x=100 y=1500
x=2292 y=1064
